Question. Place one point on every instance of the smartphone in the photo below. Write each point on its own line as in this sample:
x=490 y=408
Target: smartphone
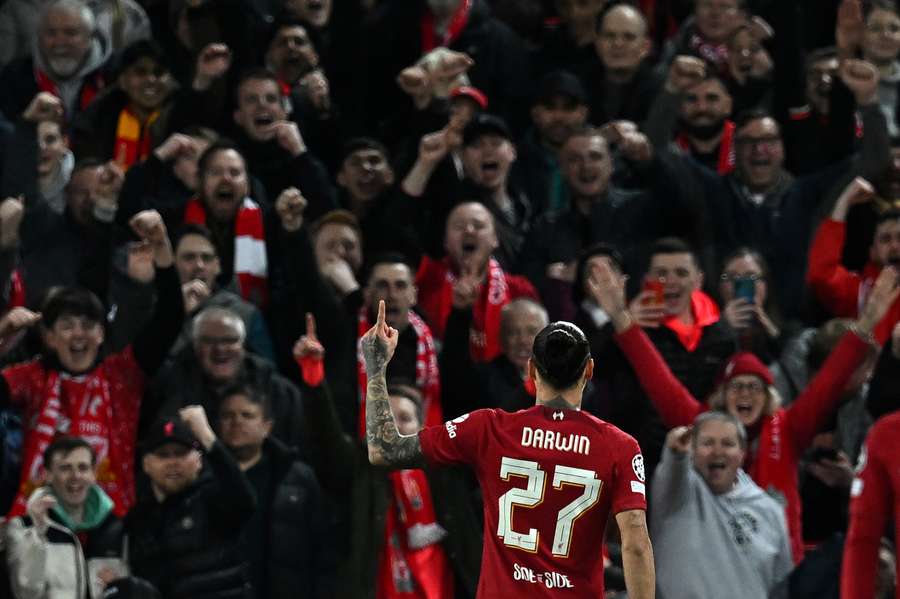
x=745 y=288
x=656 y=288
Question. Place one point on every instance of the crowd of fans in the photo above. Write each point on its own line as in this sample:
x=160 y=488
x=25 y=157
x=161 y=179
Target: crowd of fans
x=203 y=202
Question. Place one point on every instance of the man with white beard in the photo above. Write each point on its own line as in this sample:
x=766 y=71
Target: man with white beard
x=67 y=59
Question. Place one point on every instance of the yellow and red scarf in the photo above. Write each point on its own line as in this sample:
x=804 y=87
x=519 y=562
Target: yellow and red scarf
x=133 y=140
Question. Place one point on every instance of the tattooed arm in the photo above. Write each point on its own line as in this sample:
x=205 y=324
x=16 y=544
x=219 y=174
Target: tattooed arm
x=387 y=447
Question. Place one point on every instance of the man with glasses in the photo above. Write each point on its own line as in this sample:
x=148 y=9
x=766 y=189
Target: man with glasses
x=761 y=205
x=217 y=360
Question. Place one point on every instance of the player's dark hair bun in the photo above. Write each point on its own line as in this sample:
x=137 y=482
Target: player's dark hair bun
x=560 y=353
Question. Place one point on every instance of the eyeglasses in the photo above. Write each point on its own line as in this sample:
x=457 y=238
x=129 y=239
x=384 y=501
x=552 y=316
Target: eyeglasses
x=752 y=387
x=878 y=28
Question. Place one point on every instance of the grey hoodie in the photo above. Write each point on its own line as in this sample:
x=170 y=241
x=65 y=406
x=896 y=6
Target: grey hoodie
x=710 y=546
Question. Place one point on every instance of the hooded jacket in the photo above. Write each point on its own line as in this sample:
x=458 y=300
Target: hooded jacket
x=56 y=564
x=709 y=546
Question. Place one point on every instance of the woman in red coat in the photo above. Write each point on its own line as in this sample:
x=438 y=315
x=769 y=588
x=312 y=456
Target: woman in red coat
x=777 y=436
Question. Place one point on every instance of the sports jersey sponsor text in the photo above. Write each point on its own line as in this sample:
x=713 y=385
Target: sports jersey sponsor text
x=546 y=439
x=551 y=580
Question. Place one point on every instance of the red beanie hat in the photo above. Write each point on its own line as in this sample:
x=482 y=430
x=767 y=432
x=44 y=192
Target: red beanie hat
x=746 y=363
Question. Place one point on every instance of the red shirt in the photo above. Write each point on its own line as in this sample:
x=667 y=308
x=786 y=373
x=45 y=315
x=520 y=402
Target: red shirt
x=550 y=479
x=875 y=501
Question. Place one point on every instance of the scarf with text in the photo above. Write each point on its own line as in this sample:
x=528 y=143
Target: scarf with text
x=78 y=406
x=413 y=564
x=250 y=261
x=133 y=140
x=428 y=379
x=484 y=335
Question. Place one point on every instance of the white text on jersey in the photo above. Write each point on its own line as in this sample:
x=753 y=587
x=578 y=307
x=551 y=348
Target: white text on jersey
x=547 y=439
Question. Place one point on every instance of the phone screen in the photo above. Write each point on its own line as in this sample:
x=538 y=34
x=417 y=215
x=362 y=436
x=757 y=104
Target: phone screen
x=745 y=288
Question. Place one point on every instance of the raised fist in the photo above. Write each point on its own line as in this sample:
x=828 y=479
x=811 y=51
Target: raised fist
x=685 y=72
x=290 y=206
x=44 y=107
x=213 y=62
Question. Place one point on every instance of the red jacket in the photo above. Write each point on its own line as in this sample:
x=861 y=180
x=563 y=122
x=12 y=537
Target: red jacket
x=784 y=435
x=841 y=291
x=875 y=501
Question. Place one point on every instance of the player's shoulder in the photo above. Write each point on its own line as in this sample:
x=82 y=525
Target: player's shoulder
x=886 y=428
x=607 y=429
x=890 y=422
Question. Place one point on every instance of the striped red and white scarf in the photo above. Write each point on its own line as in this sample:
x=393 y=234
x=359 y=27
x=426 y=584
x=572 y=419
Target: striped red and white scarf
x=250 y=261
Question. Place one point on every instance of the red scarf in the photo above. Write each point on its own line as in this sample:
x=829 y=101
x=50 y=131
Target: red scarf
x=774 y=469
x=428 y=379
x=705 y=313
x=89 y=89
x=413 y=564
x=726 y=160
x=133 y=139
x=457 y=24
x=250 y=261
x=435 y=282
x=78 y=406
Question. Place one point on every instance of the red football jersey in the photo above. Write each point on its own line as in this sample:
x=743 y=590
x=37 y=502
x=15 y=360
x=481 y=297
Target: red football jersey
x=549 y=478
x=875 y=502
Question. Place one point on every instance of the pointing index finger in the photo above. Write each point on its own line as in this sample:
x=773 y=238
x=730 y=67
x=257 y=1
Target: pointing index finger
x=380 y=321
x=310 y=325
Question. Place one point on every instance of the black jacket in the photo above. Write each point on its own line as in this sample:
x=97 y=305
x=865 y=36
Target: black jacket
x=365 y=496
x=181 y=383
x=186 y=545
x=79 y=255
x=467 y=386
x=393 y=41
x=697 y=371
x=299 y=540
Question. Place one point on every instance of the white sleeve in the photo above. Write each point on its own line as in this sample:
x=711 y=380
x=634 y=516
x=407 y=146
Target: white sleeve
x=26 y=556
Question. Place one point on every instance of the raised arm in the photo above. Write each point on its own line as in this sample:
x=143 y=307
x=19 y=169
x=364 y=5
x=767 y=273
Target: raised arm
x=387 y=447
x=818 y=402
x=832 y=283
x=675 y=404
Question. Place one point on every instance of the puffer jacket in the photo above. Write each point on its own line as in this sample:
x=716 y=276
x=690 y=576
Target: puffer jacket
x=61 y=563
x=187 y=544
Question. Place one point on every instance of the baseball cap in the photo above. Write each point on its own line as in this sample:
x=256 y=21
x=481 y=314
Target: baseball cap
x=471 y=92
x=169 y=431
x=560 y=83
x=746 y=363
x=485 y=124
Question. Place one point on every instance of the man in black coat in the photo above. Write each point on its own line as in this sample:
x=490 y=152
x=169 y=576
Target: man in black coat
x=288 y=542
x=183 y=536
x=217 y=361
